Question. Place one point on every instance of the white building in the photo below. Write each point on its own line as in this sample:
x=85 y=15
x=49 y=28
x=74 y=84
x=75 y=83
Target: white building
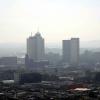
x=74 y=49
x=35 y=47
x=66 y=51
x=71 y=51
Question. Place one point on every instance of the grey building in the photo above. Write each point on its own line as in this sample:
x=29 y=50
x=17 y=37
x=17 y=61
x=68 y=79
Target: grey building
x=70 y=52
x=8 y=61
x=74 y=52
x=35 y=47
x=66 y=51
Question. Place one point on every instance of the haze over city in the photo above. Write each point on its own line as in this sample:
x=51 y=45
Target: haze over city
x=49 y=50
x=56 y=19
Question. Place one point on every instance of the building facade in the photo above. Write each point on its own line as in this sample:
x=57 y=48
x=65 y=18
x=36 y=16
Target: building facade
x=74 y=55
x=66 y=51
x=71 y=51
x=35 y=47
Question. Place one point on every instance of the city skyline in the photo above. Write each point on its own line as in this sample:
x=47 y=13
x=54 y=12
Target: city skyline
x=62 y=19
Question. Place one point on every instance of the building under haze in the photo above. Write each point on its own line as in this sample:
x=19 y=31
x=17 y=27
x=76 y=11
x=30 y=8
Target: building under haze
x=8 y=61
x=71 y=51
x=66 y=51
x=35 y=47
x=74 y=55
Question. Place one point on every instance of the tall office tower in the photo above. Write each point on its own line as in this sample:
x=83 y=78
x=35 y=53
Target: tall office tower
x=71 y=51
x=74 y=53
x=66 y=51
x=35 y=47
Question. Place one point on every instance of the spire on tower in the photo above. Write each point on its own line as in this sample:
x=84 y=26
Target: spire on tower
x=38 y=33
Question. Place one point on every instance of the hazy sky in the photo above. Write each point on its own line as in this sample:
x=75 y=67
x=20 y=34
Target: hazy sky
x=56 y=19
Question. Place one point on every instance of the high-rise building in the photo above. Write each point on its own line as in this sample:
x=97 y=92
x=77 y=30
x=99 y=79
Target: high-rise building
x=66 y=51
x=71 y=51
x=35 y=47
x=74 y=51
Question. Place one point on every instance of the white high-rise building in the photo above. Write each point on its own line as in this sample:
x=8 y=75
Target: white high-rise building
x=35 y=47
x=66 y=51
x=74 y=51
x=71 y=51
